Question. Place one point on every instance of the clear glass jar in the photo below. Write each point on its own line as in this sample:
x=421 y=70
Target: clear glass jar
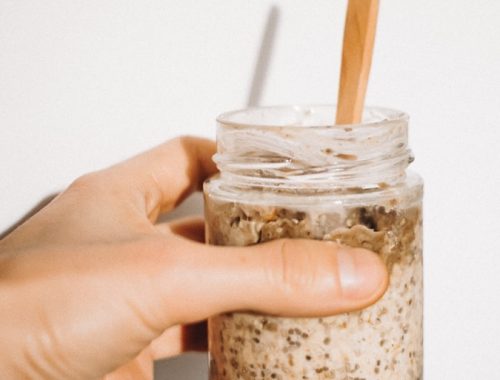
x=287 y=172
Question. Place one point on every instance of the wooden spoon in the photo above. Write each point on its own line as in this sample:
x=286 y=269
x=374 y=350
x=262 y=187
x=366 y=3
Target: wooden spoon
x=359 y=37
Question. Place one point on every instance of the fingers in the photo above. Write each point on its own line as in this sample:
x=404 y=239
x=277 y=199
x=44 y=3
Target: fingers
x=192 y=228
x=283 y=277
x=173 y=341
x=164 y=175
x=141 y=367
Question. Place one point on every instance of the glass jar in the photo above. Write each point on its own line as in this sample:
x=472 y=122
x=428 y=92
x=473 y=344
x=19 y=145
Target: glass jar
x=288 y=172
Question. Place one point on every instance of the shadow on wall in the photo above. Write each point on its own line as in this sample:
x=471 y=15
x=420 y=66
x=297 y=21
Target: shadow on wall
x=263 y=58
x=191 y=366
x=44 y=202
x=191 y=206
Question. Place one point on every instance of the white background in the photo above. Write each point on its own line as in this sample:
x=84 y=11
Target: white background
x=84 y=84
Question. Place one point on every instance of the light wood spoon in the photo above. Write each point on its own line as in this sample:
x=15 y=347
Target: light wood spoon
x=359 y=38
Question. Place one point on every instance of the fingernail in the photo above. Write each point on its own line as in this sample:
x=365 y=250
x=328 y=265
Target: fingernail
x=362 y=273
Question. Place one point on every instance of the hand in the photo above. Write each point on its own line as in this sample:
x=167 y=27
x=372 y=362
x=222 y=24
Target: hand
x=89 y=282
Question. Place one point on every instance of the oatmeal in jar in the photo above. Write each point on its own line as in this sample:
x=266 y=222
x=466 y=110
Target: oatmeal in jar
x=297 y=178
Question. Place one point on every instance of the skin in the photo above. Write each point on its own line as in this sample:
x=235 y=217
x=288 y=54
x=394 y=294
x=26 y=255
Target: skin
x=91 y=286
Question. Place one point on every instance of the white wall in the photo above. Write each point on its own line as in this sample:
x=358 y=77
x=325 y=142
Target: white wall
x=84 y=84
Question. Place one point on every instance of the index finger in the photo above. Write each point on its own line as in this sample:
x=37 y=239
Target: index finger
x=168 y=173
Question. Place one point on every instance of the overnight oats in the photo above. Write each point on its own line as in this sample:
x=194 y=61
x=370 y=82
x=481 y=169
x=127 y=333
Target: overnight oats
x=285 y=172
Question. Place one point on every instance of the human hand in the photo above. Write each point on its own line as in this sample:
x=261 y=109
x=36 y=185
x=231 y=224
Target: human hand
x=92 y=281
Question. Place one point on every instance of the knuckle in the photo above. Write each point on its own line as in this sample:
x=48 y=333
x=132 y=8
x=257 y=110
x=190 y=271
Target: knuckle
x=303 y=271
x=86 y=181
x=296 y=271
x=183 y=140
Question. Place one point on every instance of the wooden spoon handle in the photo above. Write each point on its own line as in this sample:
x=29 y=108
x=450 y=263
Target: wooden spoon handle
x=359 y=38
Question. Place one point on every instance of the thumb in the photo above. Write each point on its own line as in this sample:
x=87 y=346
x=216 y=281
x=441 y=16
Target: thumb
x=296 y=278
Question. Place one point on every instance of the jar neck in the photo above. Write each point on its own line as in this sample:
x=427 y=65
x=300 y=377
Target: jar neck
x=310 y=154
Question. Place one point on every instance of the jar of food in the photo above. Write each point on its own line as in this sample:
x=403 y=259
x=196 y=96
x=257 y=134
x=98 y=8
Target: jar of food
x=288 y=172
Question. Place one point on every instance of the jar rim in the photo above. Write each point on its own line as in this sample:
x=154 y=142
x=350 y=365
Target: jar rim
x=372 y=116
